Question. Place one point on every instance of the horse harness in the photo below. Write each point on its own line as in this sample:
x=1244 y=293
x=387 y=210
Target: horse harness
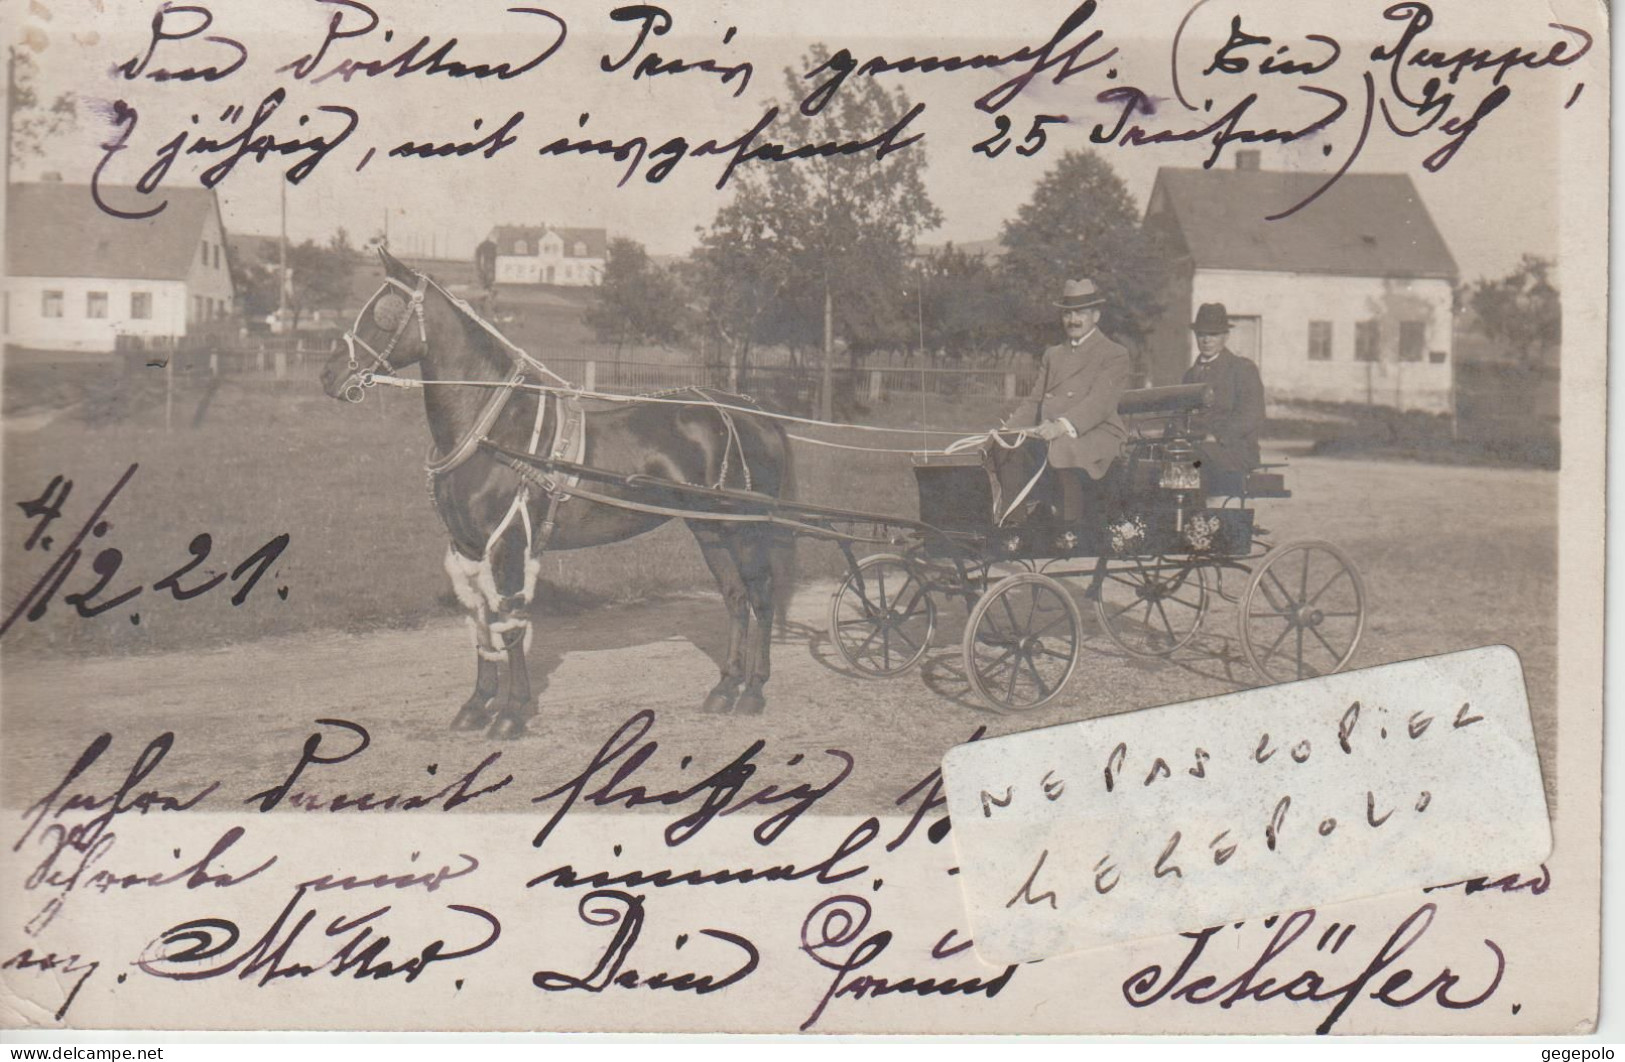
x=568 y=443
x=394 y=313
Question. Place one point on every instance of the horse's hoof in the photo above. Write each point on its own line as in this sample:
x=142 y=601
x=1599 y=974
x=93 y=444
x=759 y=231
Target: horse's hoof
x=471 y=717
x=506 y=728
x=720 y=700
x=751 y=702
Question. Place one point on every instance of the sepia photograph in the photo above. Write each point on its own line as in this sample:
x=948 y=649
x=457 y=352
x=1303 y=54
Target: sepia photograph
x=508 y=509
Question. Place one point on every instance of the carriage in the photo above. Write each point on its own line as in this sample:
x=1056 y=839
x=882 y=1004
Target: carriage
x=1153 y=561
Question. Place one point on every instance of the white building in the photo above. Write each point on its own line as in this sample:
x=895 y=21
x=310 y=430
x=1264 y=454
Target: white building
x=76 y=277
x=1349 y=300
x=545 y=254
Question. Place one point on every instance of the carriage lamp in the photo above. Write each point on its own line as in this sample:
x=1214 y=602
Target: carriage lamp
x=1180 y=475
x=1179 y=470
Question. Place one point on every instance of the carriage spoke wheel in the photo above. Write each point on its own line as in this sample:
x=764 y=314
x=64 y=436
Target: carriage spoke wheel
x=1303 y=612
x=882 y=617
x=1153 y=608
x=1021 y=642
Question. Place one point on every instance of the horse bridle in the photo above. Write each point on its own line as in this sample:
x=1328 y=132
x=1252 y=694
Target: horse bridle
x=360 y=378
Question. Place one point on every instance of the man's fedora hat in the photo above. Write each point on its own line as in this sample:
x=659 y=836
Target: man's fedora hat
x=1211 y=319
x=1080 y=295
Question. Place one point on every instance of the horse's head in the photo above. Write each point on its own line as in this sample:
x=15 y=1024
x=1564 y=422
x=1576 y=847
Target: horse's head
x=1015 y=461
x=389 y=333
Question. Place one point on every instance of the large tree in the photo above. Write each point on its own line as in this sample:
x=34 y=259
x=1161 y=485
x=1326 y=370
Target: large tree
x=738 y=273
x=34 y=120
x=963 y=308
x=1082 y=222
x=1521 y=312
x=319 y=278
x=638 y=300
x=816 y=249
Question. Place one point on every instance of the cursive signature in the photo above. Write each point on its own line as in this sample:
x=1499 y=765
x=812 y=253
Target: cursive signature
x=1277 y=972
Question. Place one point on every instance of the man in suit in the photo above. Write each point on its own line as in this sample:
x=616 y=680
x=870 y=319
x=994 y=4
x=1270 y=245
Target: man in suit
x=1074 y=405
x=1234 y=416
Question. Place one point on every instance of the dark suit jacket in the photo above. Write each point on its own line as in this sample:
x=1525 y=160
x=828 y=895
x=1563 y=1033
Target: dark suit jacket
x=1082 y=384
x=1235 y=416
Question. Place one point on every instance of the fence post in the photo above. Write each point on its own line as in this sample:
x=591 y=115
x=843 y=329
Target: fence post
x=280 y=359
x=169 y=388
x=876 y=388
x=589 y=375
x=214 y=363
x=1009 y=385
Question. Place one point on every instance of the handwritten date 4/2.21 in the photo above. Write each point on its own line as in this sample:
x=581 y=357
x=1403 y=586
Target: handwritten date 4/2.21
x=92 y=601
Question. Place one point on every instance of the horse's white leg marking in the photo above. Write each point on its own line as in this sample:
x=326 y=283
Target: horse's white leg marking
x=476 y=590
x=519 y=619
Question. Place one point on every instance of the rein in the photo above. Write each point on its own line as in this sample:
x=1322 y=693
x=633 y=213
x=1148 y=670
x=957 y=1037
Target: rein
x=981 y=442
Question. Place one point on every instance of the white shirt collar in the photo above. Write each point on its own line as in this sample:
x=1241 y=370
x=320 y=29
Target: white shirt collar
x=1085 y=339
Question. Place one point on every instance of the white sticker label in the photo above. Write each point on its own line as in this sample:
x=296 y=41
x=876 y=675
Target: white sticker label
x=1254 y=803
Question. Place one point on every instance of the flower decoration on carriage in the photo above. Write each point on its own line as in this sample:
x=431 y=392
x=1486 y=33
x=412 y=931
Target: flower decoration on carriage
x=1127 y=533
x=1012 y=543
x=1203 y=531
x=1067 y=542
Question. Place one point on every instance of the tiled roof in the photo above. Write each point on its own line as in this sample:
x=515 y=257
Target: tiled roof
x=596 y=240
x=56 y=230
x=1367 y=224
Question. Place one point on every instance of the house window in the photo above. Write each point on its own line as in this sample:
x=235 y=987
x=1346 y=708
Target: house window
x=96 y=304
x=50 y=304
x=549 y=275
x=197 y=307
x=141 y=305
x=217 y=256
x=1366 y=337
x=521 y=247
x=1320 y=341
x=1413 y=338
x=1435 y=357
x=205 y=252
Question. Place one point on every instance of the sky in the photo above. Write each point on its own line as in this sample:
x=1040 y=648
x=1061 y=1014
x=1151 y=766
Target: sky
x=1497 y=199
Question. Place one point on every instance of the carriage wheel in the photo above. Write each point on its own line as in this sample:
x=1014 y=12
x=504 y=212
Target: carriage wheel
x=1021 y=642
x=1303 y=612
x=1153 y=608
x=882 y=617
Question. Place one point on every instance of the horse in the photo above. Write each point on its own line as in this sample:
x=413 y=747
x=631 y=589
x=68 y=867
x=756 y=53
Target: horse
x=489 y=405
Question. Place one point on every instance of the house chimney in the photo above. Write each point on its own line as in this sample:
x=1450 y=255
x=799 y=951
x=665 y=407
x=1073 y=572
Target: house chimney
x=1247 y=160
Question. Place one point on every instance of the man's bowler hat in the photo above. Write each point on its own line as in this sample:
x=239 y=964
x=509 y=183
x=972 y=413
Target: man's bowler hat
x=1211 y=319
x=1080 y=295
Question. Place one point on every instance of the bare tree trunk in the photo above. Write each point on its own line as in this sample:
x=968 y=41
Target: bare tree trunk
x=827 y=405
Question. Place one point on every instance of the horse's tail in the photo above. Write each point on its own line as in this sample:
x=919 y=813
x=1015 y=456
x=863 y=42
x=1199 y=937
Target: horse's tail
x=782 y=553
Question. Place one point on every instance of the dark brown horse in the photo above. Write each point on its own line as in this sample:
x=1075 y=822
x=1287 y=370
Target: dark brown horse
x=484 y=408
